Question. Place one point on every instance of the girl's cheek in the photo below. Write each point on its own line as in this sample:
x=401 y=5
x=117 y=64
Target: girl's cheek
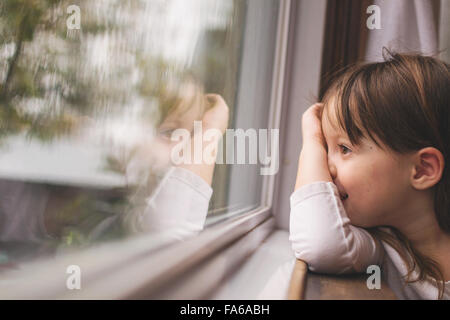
x=349 y=175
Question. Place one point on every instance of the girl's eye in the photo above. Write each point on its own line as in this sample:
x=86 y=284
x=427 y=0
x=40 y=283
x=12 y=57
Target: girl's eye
x=165 y=133
x=344 y=149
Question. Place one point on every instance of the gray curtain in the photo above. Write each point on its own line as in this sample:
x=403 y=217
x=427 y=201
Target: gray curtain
x=406 y=25
x=444 y=30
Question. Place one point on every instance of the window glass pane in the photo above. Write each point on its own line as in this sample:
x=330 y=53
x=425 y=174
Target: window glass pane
x=90 y=95
x=250 y=113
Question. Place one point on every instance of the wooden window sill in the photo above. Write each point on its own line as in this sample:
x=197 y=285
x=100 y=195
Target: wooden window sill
x=307 y=285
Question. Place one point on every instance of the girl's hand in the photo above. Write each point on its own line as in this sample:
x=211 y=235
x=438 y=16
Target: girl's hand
x=313 y=162
x=216 y=117
x=312 y=124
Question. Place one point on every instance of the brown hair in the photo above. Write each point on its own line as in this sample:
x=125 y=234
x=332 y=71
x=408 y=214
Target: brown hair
x=402 y=102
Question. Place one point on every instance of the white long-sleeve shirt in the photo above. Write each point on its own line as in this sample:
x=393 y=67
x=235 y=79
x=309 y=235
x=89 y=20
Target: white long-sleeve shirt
x=178 y=207
x=322 y=236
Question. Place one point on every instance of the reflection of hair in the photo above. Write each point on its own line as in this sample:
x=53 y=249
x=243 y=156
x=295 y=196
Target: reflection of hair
x=404 y=103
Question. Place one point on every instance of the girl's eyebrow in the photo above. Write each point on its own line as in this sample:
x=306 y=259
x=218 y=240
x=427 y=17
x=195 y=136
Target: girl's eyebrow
x=333 y=133
x=339 y=135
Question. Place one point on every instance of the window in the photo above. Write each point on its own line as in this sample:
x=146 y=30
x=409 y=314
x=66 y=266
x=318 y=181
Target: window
x=85 y=87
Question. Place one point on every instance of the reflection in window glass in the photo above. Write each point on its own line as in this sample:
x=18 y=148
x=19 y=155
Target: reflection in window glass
x=85 y=112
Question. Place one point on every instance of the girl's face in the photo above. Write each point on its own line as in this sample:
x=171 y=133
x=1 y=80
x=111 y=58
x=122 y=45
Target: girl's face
x=373 y=183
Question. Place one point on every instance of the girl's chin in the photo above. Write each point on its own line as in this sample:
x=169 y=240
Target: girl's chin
x=358 y=220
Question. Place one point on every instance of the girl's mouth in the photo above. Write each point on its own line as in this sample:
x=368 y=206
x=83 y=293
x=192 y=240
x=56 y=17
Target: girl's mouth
x=344 y=197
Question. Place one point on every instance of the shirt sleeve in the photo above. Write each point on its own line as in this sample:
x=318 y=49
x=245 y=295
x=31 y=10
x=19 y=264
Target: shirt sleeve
x=178 y=206
x=321 y=233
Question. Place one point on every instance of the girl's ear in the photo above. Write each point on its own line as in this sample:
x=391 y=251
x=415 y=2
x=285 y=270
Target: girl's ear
x=428 y=168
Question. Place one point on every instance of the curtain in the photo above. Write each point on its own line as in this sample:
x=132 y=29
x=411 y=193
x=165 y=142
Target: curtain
x=444 y=30
x=406 y=25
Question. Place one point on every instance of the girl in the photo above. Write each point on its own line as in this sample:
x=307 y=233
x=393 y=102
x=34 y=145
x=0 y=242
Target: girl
x=373 y=183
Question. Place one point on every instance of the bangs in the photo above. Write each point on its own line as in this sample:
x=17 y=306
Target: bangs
x=348 y=106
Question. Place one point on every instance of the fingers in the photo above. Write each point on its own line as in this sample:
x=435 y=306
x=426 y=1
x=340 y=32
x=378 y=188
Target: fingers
x=318 y=106
x=217 y=115
x=217 y=104
x=319 y=109
x=215 y=100
x=316 y=109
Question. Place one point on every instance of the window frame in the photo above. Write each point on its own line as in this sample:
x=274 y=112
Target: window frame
x=197 y=264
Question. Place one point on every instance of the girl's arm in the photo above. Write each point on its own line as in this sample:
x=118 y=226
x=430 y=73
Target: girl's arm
x=178 y=207
x=320 y=231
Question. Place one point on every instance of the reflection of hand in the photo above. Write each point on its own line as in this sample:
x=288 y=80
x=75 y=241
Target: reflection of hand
x=216 y=117
x=312 y=124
